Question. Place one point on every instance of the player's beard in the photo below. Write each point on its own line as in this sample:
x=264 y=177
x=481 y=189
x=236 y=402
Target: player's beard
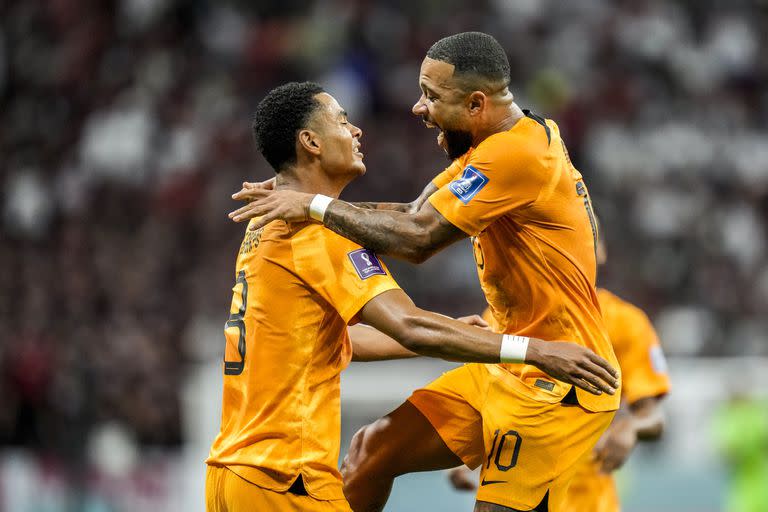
x=456 y=143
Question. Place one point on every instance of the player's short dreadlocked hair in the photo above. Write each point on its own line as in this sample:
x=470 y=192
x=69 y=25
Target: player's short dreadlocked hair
x=279 y=116
x=473 y=53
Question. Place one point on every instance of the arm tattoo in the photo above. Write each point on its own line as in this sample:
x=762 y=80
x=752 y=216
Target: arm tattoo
x=411 y=207
x=372 y=228
x=397 y=207
x=392 y=232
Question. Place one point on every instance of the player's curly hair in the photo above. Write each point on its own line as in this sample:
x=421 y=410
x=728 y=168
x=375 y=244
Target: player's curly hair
x=279 y=116
x=473 y=55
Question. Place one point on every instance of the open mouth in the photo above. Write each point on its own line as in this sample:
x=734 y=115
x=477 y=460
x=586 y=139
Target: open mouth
x=440 y=135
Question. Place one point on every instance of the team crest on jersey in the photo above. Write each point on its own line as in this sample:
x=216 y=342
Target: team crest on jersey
x=470 y=183
x=366 y=263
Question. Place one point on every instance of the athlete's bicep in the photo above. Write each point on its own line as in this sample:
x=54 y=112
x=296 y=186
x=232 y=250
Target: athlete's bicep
x=387 y=309
x=438 y=231
x=388 y=313
x=427 y=333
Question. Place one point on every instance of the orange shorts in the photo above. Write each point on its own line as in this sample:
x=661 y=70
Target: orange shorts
x=225 y=491
x=591 y=490
x=527 y=447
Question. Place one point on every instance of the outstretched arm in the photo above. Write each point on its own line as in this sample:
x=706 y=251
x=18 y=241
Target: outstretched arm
x=369 y=344
x=434 y=335
x=410 y=236
x=411 y=207
x=413 y=238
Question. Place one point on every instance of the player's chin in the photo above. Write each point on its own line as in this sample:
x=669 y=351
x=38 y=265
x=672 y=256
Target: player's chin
x=359 y=168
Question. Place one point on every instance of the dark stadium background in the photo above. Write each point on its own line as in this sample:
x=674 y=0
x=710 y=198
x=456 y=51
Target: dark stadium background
x=125 y=127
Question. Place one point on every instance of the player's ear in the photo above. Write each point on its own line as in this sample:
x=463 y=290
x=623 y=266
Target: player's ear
x=309 y=141
x=476 y=102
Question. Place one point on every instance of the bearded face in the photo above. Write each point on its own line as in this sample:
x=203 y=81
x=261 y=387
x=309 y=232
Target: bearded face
x=455 y=142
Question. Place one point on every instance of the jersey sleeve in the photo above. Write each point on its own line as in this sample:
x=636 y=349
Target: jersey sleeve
x=495 y=181
x=343 y=273
x=447 y=175
x=640 y=355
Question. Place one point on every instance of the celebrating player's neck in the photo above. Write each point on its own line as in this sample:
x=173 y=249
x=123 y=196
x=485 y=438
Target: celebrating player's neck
x=498 y=120
x=310 y=182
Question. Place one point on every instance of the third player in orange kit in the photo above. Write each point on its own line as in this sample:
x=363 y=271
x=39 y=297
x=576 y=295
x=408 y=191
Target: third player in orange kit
x=646 y=381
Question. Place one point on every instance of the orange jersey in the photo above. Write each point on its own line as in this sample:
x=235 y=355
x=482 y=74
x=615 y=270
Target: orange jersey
x=528 y=210
x=637 y=347
x=296 y=290
x=645 y=375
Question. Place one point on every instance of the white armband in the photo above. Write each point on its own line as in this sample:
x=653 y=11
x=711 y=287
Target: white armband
x=318 y=205
x=513 y=348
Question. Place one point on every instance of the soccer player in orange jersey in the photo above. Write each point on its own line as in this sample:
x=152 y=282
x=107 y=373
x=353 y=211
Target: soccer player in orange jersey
x=646 y=382
x=512 y=188
x=297 y=287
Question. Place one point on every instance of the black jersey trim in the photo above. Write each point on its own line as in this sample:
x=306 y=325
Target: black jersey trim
x=541 y=121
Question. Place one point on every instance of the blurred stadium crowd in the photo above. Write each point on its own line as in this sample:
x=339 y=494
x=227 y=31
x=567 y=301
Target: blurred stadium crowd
x=125 y=127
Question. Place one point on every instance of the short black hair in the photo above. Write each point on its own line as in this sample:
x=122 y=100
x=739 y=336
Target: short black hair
x=473 y=53
x=279 y=116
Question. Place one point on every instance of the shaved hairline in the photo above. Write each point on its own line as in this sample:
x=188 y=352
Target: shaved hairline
x=469 y=82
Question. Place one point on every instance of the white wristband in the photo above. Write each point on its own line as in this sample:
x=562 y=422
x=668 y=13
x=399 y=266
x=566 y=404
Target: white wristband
x=318 y=205
x=513 y=348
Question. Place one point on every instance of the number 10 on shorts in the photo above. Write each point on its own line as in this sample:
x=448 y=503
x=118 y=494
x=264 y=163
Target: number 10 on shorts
x=504 y=450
